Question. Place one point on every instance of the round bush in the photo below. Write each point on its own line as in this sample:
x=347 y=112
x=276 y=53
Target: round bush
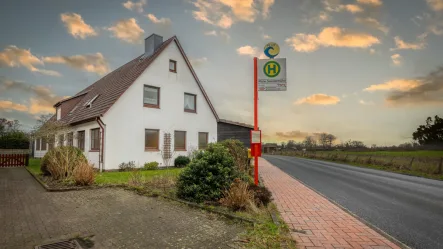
x=238 y=152
x=181 y=161
x=151 y=166
x=61 y=161
x=207 y=176
x=44 y=165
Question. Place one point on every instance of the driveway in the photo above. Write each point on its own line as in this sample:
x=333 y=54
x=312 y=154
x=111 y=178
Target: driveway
x=119 y=219
x=406 y=207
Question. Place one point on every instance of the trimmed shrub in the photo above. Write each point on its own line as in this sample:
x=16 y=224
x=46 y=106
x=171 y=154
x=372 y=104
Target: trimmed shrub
x=44 y=165
x=14 y=140
x=84 y=174
x=205 y=178
x=181 y=161
x=129 y=166
x=62 y=160
x=239 y=153
x=262 y=195
x=151 y=166
x=238 y=197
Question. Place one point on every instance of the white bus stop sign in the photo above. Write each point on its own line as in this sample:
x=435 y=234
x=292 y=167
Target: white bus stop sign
x=272 y=75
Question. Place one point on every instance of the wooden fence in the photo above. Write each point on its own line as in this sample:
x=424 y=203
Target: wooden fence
x=14 y=160
x=427 y=165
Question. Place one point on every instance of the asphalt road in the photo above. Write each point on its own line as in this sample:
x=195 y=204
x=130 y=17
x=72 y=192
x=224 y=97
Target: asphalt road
x=406 y=207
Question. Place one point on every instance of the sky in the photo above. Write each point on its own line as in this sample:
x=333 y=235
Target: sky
x=367 y=70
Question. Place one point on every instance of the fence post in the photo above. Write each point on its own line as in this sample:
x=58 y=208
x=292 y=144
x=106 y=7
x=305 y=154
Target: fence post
x=410 y=164
x=440 y=166
x=27 y=160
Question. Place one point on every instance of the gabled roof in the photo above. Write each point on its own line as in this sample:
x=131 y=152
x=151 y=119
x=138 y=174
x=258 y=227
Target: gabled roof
x=113 y=85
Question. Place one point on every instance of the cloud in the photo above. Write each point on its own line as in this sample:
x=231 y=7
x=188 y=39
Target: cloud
x=199 y=61
x=331 y=37
x=248 y=50
x=402 y=45
x=319 y=18
x=127 y=30
x=372 y=51
x=292 y=135
x=226 y=37
x=136 y=6
x=76 y=26
x=396 y=59
x=373 y=23
x=371 y=2
x=435 y=5
x=397 y=84
x=266 y=7
x=266 y=37
x=162 y=21
x=94 y=63
x=224 y=13
x=353 y=8
x=6 y=105
x=362 y=102
x=42 y=99
x=318 y=99
x=211 y=33
x=13 y=56
x=429 y=91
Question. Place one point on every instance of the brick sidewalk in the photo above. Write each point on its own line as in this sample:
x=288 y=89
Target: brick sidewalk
x=325 y=224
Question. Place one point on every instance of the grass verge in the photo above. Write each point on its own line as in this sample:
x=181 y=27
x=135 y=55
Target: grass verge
x=380 y=167
x=268 y=234
x=34 y=166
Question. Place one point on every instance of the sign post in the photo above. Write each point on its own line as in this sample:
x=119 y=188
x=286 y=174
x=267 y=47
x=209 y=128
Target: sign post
x=269 y=75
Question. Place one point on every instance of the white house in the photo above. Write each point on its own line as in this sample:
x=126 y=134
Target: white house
x=126 y=115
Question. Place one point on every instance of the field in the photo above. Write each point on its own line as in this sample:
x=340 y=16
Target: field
x=420 y=153
x=419 y=163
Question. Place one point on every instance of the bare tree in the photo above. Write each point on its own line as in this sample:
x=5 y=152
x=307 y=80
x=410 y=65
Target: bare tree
x=50 y=130
x=330 y=140
x=309 y=142
x=323 y=139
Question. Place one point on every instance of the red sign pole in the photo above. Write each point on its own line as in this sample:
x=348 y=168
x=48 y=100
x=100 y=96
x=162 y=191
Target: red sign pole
x=256 y=146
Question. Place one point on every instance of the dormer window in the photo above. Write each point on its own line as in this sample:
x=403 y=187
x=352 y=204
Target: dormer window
x=89 y=103
x=172 y=66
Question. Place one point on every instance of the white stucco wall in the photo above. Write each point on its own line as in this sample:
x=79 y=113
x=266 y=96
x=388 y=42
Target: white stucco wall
x=92 y=156
x=127 y=119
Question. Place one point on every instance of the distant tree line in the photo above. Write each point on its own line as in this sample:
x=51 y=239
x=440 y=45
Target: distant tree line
x=11 y=136
x=427 y=137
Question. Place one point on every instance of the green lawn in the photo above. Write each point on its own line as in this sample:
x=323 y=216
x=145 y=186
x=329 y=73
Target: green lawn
x=122 y=177
x=34 y=166
x=112 y=177
x=419 y=153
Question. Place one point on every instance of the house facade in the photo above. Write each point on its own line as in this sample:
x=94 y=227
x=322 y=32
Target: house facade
x=150 y=107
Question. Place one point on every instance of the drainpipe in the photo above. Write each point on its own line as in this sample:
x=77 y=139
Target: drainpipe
x=102 y=148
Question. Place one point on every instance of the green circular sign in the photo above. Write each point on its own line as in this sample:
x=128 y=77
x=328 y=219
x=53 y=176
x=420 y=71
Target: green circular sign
x=272 y=69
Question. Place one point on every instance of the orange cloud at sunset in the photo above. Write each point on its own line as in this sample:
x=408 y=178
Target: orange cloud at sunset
x=76 y=26
x=398 y=84
x=331 y=37
x=318 y=99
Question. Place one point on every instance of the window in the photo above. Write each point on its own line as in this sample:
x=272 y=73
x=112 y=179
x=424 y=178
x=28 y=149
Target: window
x=37 y=146
x=70 y=139
x=81 y=140
x=202 y=140
x=61 y=139
x=172 y=66
x=151 y=139
x=43 y=146
x=89 y=103
x=95 y=139
x=179 y=140
x=190 y=102
x=151 y=96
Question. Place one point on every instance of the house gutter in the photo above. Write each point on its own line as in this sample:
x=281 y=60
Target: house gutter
x=102 y=148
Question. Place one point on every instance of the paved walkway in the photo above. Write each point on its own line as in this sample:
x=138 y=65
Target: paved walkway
x=325 y=224
x=30 y=216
